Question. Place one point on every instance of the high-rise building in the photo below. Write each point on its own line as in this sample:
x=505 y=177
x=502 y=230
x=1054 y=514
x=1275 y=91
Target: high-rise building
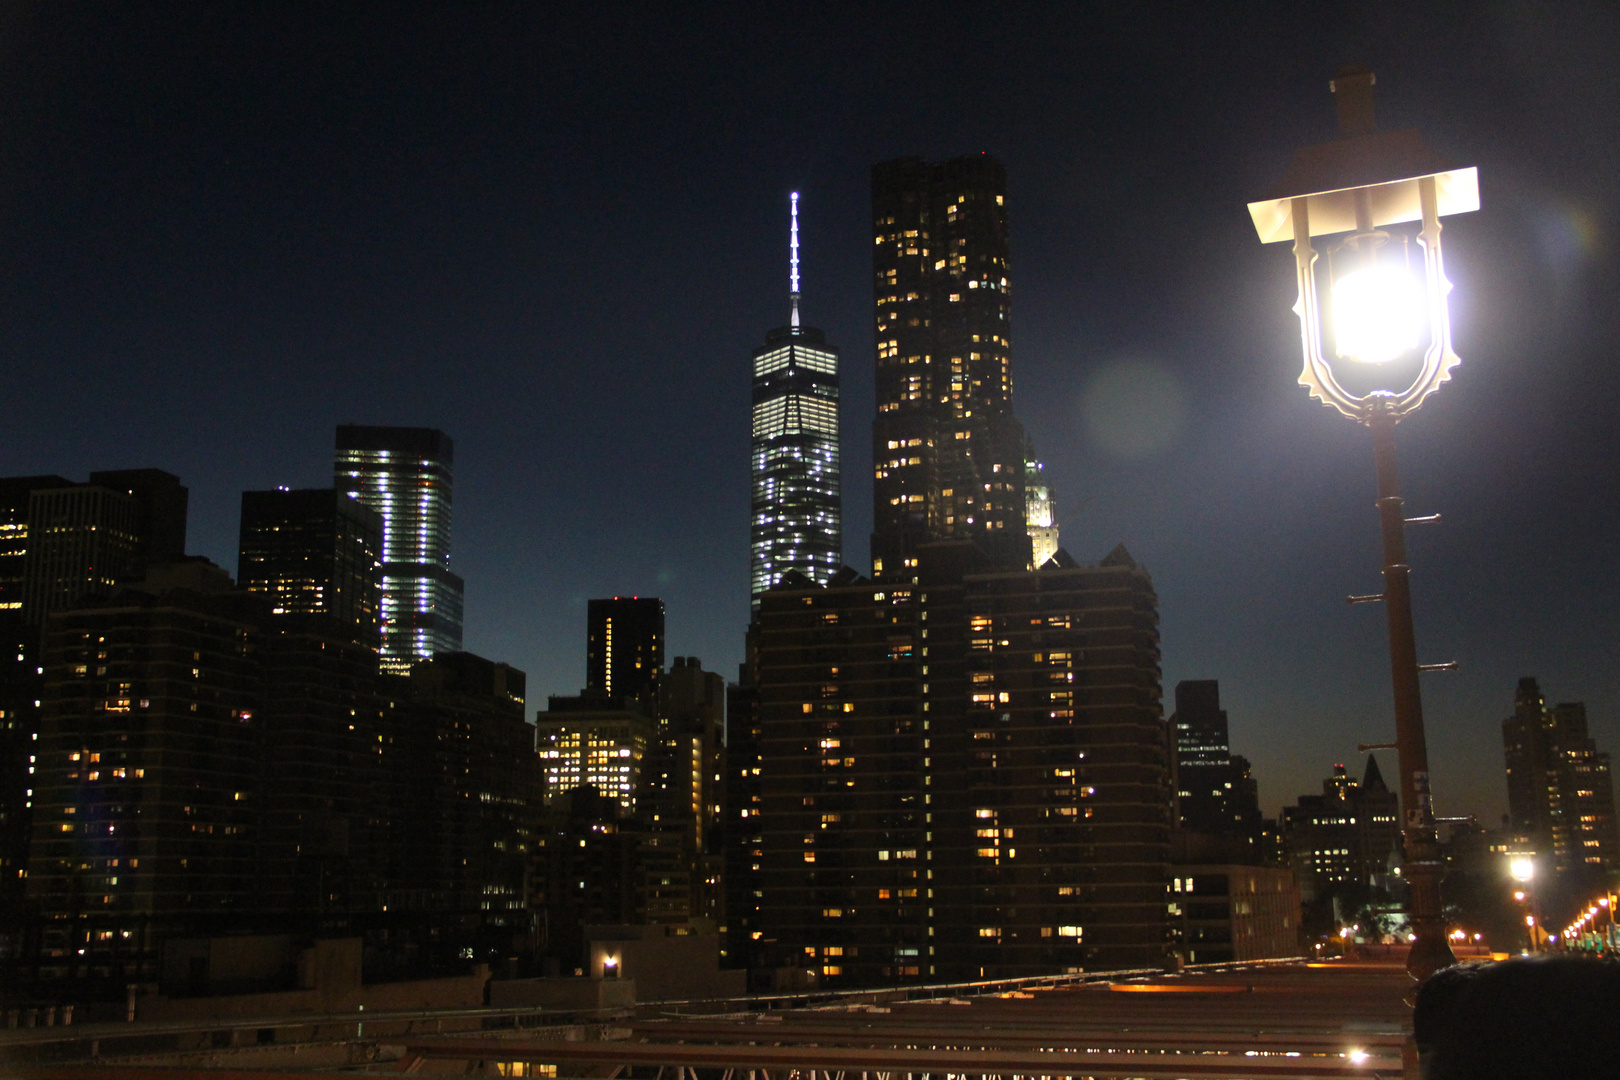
x=313 y=552
x=82 y=540
x=1560 y=789
x=797 y=515
x=15 y=493
x=963 y=776
x=404 y=474
x=1215 y=790
x=624 y=646
x=948 y=452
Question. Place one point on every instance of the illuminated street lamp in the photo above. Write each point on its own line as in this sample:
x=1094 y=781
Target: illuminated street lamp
x=1522 y=870
x=1388 y=299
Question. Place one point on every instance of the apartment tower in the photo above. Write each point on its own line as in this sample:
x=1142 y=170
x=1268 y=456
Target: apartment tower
x=947 y=449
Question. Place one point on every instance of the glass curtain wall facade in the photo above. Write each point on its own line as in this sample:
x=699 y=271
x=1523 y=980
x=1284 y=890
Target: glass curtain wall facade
x=797 y=513
x=797 y=517
x=404 y=474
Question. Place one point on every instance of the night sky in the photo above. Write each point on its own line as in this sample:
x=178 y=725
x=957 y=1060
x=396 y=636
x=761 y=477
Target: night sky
x=557 y=232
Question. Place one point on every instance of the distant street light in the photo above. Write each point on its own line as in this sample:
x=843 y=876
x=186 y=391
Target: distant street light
x=1386 y=315
x=1522 y=869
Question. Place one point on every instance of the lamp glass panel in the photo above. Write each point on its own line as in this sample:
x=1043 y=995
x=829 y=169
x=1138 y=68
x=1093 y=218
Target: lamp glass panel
x=1377 y=314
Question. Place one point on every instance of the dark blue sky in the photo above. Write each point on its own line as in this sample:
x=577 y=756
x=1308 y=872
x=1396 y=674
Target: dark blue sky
x=557 y=233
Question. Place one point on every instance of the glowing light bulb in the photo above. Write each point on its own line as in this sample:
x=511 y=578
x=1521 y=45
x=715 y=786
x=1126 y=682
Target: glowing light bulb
x=1358 y=1057
x=1523 y=869
x=1377 y=314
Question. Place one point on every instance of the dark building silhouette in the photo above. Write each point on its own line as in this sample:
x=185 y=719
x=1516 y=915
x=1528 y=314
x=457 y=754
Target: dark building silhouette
x=797 y=516
x=1215 y=790
x=207 y=766
x=15 y=494
x=19 y=690
x=472 y=796
x=1560 y=789
x=314 y=553
x=1230 y=911
x=146 y=806
x=624 y=646
x=405 y=475
x=61 y=542
x=743 y=832
x=964 y=775
x=160 y=511
x=948 y=451
x=1346 y=837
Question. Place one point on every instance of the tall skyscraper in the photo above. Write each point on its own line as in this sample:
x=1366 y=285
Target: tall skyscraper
x=948 y=451
x=1560 y=789
x=797 y=515
x=404 y=474
x=314 y=552
x=624 y=646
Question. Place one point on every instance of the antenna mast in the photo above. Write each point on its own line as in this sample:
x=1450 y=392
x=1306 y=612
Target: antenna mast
x=793 y=260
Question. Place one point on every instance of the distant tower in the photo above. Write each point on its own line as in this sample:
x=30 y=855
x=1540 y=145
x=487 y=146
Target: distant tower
x=797 y=516
x=313 y=552
x=1560 y=790
x=624 y=646
x=1039 y=512
x=404 y=474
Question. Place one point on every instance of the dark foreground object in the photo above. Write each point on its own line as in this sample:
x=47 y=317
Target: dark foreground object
x=1551 y=1016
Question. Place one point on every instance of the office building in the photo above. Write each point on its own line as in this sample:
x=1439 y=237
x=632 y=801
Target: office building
x=15 y=494
x=82 y=540
x=1215 y=790
x=1560 y=789
x=948 y=451
x=963 y=776
x=624 y=647
x=405 y=475
x=796 y=509
x=603 y=749
x=1345 y=840
x=314 y=553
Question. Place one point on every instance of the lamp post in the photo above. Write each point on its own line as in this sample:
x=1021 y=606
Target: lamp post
x=1382 y=315
x=1523 y=869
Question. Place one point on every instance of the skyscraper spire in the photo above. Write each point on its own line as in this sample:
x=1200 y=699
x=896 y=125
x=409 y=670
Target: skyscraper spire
x=793 y=260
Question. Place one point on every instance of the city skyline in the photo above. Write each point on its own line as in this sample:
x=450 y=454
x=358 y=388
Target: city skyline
x=586 y=444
